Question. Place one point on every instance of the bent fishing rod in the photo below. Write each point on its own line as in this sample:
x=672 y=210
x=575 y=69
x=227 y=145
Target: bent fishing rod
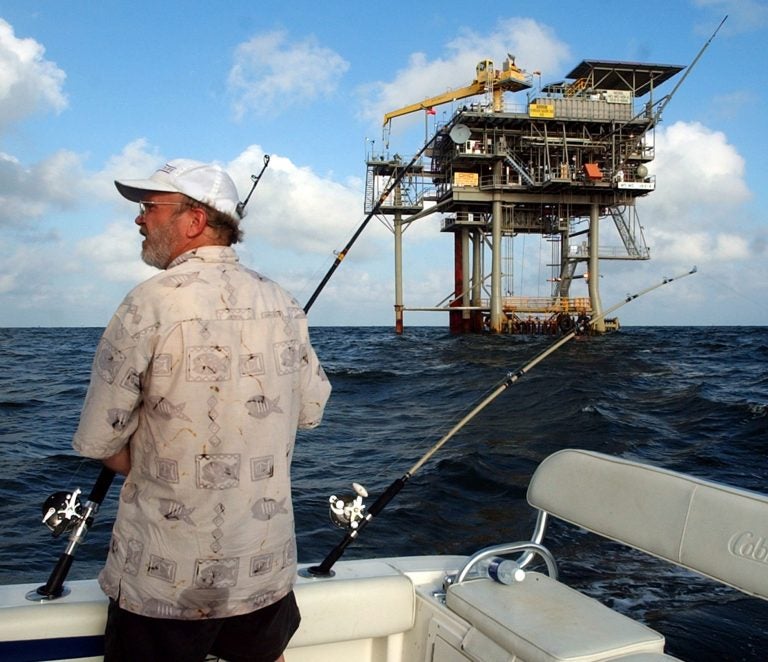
x=63 y=512
x=394 y=180
x=350 y=513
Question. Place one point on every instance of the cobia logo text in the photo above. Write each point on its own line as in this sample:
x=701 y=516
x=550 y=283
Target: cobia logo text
x=748 y=545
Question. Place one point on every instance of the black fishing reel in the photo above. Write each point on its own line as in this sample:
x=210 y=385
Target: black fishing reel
x=62 y=512
x=347 y=511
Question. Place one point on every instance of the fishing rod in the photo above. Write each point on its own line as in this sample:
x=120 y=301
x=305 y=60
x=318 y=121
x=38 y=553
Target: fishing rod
x=255 y=178
x=394 y=180
x=665 y=100
x=662 y=103
x=349 y=514
x=63 y=512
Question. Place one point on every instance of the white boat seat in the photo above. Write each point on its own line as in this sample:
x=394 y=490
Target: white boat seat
x=348 y=607
x=716 y=530
x=542 y=620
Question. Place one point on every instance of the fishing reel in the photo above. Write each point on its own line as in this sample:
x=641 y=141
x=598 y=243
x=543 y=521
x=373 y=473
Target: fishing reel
x=62 y=512
x=347 y=511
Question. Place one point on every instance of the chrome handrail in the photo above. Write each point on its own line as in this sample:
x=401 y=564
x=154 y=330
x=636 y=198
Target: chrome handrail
x=527 y=546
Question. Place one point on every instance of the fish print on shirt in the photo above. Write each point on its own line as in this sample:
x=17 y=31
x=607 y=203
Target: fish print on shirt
x=108 y=361
x=160 y=609
x=266 y=509
x=160 y=568
x=260 y=406
x=261 y=564
x=261 y=600
x=287 y=357
x=216 y=573
x=166 y=409
x=208 y=364
x=217 y=472
x=118 y=419
x=175 y=511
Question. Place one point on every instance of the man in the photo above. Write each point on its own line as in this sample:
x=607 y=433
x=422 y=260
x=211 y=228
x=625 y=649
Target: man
x=199 y=384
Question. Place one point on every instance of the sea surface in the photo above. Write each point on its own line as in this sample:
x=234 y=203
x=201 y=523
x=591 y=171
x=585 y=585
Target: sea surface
x=688 y=399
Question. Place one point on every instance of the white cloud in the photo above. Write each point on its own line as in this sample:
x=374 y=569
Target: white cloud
x=699 y=247
x=28 y=193
x=698 y=213
x=137 y=160
x=7 y=282
x=700 y=180
x=114 y=254
x=535 y=47
x=28 y=82
x=743 y=15
x=297 y=217
x=293 y=207
x=270 y=74
x=293 y=212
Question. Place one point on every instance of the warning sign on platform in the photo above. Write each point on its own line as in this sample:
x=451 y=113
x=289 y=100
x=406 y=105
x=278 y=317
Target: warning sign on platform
x=618 y=96
x=465 y=179
x=541 y=110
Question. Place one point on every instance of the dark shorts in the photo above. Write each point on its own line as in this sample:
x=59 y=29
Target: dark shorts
x=260 y=636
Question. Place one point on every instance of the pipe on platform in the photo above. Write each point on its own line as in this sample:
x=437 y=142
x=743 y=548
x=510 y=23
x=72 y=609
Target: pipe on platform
x=594 y=269
x=477 y=279
x=398 y=227
x=497 y=318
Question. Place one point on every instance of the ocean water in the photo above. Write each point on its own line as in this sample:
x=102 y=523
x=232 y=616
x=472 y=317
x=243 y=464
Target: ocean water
x=689 y=399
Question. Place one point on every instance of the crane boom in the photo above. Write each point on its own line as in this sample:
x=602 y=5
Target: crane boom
x=486 y=79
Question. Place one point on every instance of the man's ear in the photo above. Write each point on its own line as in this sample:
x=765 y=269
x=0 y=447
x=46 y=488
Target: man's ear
x=198 y=221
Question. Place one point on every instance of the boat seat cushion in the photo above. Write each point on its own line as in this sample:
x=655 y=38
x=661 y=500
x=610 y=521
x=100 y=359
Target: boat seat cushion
x=353 y=608
x=542 y=620
x=713 y=529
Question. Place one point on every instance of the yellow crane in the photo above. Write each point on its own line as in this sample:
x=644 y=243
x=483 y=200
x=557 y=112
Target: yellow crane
x=509 y=79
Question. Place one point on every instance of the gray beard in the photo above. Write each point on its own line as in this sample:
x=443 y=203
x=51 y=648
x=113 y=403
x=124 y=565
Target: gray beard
x=156 y=252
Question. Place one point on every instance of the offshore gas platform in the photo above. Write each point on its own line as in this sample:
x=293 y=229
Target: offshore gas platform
x=569 y=159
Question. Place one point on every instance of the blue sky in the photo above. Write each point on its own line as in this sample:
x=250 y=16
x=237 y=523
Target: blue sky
x=90 y=92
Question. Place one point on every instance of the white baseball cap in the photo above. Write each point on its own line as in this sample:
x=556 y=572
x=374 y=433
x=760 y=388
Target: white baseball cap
x=205 y=182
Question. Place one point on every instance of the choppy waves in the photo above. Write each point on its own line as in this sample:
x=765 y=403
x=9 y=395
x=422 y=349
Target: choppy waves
x=692 y=400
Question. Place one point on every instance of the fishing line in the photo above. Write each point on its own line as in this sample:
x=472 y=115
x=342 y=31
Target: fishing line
x=395 y=178
x=719 y=283
x=357 y=522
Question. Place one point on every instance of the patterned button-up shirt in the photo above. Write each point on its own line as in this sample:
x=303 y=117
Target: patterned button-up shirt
x=207 y=371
